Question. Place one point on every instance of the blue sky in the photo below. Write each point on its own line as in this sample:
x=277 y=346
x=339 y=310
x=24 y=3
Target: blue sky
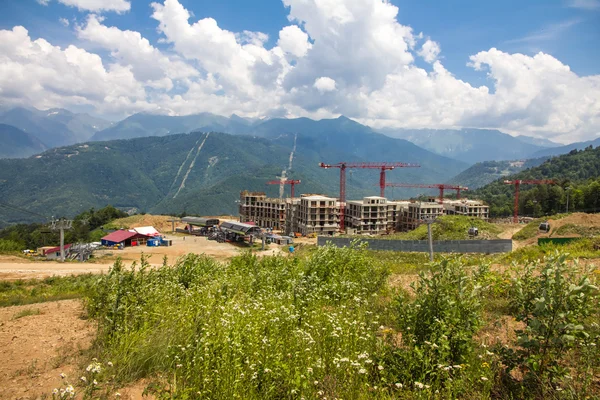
x=462 y=27
x=311 y=84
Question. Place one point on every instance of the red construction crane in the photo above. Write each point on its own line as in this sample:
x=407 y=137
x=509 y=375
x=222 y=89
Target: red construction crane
x=291 y=182
x=385 y=166
x=517 y=184
x=440 y=186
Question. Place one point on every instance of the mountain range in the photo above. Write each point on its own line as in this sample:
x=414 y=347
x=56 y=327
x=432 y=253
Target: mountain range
x=203 y=172
x=472 y=145
x=59 y=127
x=17 y=143
x=54 y=127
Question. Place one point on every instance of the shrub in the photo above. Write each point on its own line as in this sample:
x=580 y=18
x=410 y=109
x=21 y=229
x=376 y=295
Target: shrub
x=555 y=301
x=437 y=326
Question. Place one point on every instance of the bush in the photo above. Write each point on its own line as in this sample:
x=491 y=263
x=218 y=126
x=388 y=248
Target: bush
x=10 y=246
x=555 y=301
x=437 y=327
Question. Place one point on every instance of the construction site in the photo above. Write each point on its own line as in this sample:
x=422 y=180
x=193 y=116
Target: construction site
x=316 y=214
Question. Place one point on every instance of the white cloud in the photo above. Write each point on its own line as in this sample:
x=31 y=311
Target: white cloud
x=64 y=21
x=294 y=41
x=584 y=4
x=33 y=72
x=119 y=6
x=430 y=51
x=348 y=57
x=43 y=2
x=129 y=48
x=324 y=84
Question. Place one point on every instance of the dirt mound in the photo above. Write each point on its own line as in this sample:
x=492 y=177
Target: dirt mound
x=579 y=219
x=160 y=222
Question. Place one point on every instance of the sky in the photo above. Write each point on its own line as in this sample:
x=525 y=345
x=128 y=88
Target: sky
x=529 y=67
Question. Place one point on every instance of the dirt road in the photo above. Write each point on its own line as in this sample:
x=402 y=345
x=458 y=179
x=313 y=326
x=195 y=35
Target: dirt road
x=12 y=268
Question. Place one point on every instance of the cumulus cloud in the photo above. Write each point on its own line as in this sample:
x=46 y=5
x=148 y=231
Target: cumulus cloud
x=64 y=21
x=430 y=51
x=348 y=57
x=119 y=6
x=324 y=84
x=294 y=41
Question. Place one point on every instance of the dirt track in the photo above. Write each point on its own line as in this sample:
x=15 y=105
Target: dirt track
x=12 y=268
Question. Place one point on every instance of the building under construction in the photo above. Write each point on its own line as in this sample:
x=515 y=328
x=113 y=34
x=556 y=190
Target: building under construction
x=319 y=214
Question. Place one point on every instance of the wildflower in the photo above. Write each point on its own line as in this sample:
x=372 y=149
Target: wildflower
x=267 y=371
x=558 y=389
x=62 y=375
x=419 y=385
x=55 y=391
x=95 y=382
x=485 y=365
x=117 y=394
x=362 y=371
x=316 y=382
x=489 y=353
x=398 y=385
x=483 y=378
x=179 y=365
x=456 y=366
x=380 y=367
x=83 y=379
x=109 y=364
x=310 y=370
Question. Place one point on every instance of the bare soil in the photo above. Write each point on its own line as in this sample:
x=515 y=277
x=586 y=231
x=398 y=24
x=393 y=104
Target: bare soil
x=12 y=267
x=36 y=349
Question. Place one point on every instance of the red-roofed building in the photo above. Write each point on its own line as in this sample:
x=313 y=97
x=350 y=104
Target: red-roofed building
x=125 y=238
x=54 y=252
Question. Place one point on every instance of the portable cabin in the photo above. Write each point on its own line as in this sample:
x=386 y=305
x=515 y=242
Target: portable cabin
x=200 y=221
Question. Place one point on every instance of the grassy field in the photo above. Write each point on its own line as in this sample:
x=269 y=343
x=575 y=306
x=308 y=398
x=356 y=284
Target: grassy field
x=20 y=292
x=450 y=227
x=325 y=323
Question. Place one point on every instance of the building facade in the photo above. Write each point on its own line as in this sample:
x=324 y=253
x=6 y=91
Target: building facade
x=469 y=208
x=264 y=211
x=318 y=214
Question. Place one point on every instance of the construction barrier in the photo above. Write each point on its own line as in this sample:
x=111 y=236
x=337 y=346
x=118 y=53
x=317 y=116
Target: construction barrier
x=542 y=241
x=422 y=246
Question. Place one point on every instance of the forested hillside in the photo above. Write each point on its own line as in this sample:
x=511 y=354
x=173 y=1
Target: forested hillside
x=486 y=172
x=199 y=173
x=576 y=173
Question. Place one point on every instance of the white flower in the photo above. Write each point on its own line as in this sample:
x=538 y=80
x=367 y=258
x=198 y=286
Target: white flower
x=362 y=371
x=267 y=371
x=179 y=365
x=55 y=391
x=419 y=385
x=83 y=379
x=110 y=364
x=117 y=394
x=380 y=367
x=310 y=370
x=62 y=375
x=95 y=382
x=398 y=385
x=483 y=378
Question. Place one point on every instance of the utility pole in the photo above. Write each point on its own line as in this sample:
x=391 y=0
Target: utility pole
x=172 y=221
x=430 y=221
x=62 y=225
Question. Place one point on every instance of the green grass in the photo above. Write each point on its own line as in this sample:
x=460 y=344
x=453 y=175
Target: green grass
x=450 y=227
x=574 y=229
x=26 y=313
x=583 y=248
x=21 y=292
x=320 y=324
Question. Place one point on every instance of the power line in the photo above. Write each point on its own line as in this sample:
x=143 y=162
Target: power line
x=15 y=208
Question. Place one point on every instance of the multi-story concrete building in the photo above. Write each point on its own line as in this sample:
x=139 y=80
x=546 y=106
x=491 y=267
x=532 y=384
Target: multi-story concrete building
x=263 y=211
x=416 y=212
x=372 y=214
x=318 y=214
x=469 y=208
